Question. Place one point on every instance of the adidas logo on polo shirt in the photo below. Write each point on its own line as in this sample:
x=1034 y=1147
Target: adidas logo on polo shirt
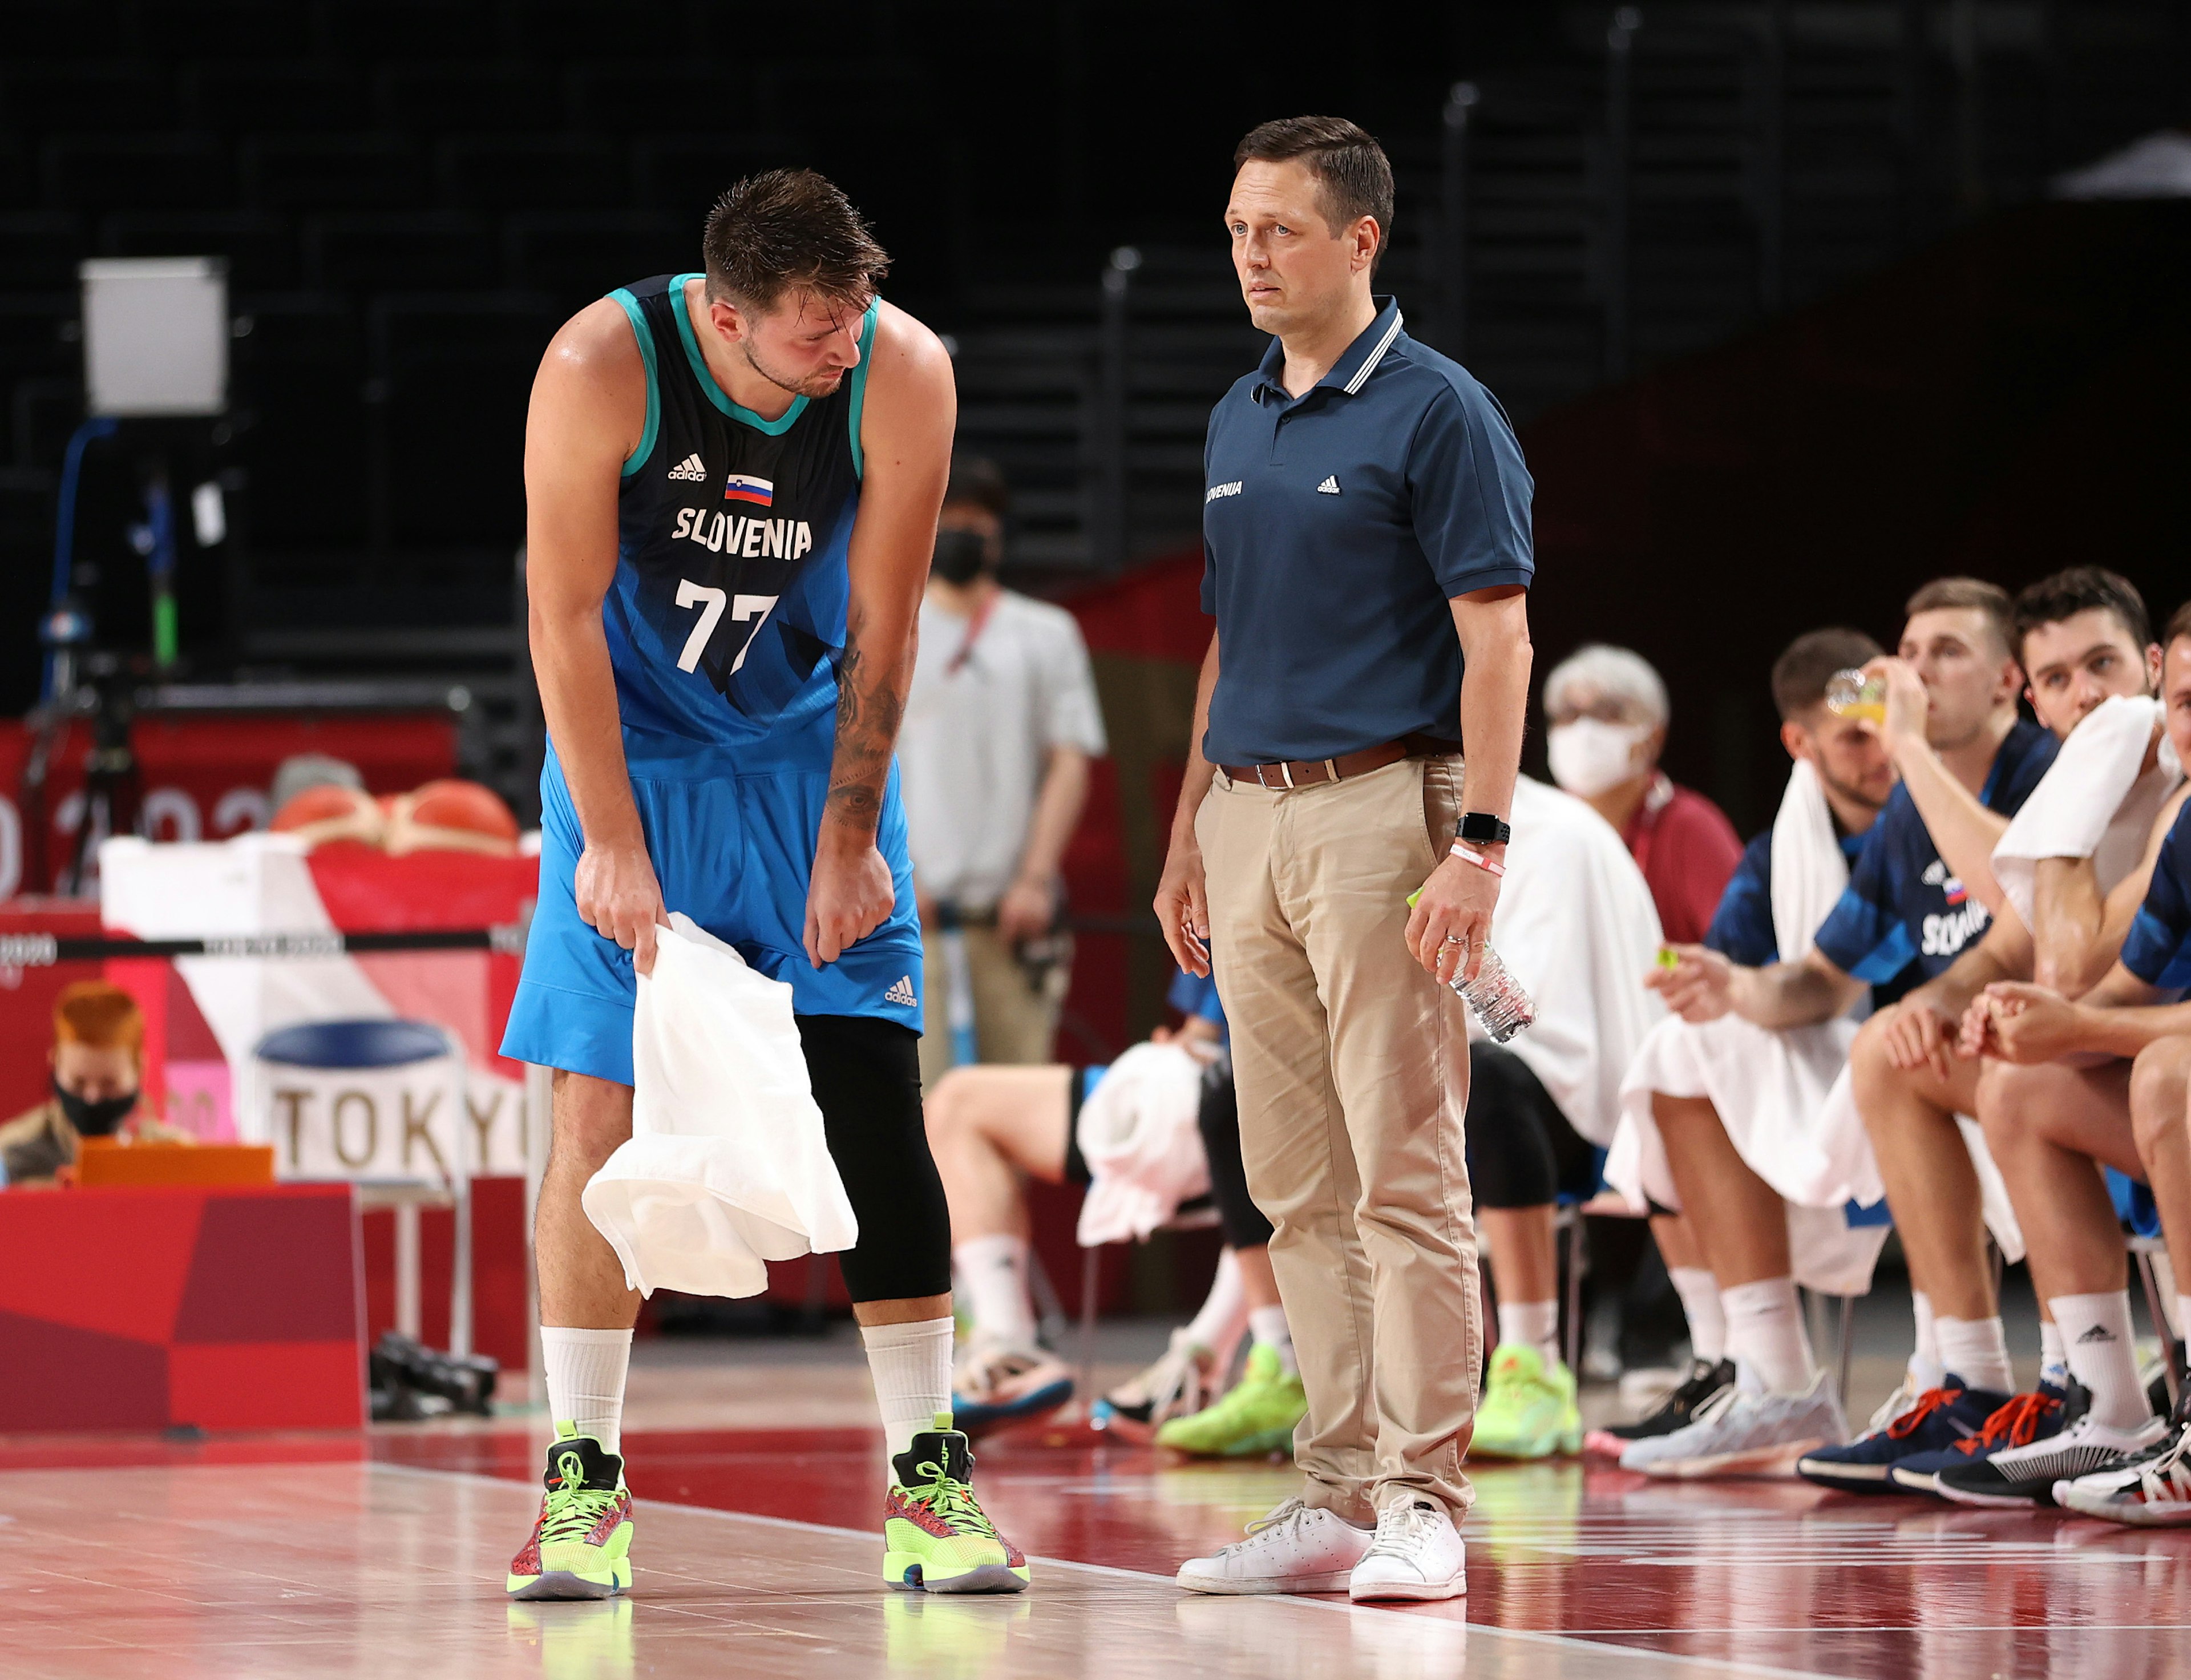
x=691 y=468
x=902 y=993
x=1329 y=486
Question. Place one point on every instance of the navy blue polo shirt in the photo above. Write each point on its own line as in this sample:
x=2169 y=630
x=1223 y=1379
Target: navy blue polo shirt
x=1902 y=905
x=1336 y=526
x=2158 y=948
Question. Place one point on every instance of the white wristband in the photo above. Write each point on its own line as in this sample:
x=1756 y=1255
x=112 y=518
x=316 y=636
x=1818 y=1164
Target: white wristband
x=1468 y=854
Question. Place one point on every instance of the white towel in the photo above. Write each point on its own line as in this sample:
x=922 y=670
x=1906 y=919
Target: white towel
x=1575 y=925
x=726 y=1167
x=2097 y=800
x=1809 y=872
x=1140 y=1136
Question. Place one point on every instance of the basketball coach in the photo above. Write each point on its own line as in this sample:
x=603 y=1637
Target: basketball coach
x=1366 y=532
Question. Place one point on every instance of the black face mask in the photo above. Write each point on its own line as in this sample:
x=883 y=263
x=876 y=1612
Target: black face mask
x=95 y=1119
x=961 y=556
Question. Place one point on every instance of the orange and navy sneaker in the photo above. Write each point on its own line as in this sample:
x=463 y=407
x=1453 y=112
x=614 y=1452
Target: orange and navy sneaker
x=581 y=1547
x=935 y=1537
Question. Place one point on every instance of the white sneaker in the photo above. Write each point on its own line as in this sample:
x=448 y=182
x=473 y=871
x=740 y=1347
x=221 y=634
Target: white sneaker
x=1295 y=1549
x=1746 y=1432
x=2152 y=1490
x=1417 y=1554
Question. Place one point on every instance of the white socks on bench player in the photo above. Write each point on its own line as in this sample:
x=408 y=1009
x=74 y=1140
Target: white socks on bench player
x=2096 y=1334
x=1765 y=1335
x=585 y=1371
x=992 y=1276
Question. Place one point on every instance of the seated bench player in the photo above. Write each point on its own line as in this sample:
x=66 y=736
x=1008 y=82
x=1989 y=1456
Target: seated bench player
x=1575 y=925
x=992 y=1128
x=1967 y=762
x=2070 y=1088
x=1704 y=1098
x=2082 y=637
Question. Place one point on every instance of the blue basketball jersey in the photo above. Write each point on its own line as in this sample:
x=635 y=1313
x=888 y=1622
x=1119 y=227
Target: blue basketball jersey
x=726 y=617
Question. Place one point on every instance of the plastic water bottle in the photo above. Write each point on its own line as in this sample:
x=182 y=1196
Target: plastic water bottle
x=1497 y=997
x=1854 y=694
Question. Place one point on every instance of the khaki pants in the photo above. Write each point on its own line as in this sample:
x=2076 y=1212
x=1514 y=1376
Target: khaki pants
x=1014 y=1019
x=1352 y=1064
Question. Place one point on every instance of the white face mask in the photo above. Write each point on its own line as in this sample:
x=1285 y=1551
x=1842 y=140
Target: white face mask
x=1589 y=756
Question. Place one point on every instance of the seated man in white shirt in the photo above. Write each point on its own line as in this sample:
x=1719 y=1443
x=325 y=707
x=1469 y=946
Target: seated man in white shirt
x=1000 y=723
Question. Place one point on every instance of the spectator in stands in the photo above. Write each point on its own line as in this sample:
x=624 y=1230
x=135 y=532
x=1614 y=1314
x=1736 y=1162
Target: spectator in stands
x=1704 y=1099
x=1606 y=716
x=2069 y=1086
x=1954 y=689
x=1000 y=724
x=993 y=1128
x=98 y=1063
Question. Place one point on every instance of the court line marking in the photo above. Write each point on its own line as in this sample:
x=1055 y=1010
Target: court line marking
x=1730 y=1665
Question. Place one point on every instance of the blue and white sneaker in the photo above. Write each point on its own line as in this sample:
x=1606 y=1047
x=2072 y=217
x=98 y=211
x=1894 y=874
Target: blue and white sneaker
x=1746 y=1432
x=2038 y=1416
x=997 y=1387
x=1907 y=1426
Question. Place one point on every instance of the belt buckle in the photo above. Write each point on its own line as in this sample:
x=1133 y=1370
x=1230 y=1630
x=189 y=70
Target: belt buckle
x=1284 y=782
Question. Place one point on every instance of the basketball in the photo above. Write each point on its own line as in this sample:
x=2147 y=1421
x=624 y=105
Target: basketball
x=451 y=815
x=332 y=813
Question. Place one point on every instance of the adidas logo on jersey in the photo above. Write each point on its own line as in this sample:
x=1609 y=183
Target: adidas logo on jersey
x=902 y=993
x=691 y=468
x=1329 y=486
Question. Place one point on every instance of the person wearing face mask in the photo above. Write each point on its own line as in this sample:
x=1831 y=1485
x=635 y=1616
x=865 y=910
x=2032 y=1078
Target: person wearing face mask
x=98 y=1062
x=1605 y=708
x=1000 y=723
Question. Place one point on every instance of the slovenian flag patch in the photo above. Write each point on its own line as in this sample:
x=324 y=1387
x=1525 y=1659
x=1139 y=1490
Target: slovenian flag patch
x=743 y=487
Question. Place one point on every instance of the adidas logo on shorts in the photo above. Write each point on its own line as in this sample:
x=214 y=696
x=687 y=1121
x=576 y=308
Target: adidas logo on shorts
x=691 y=468
x=902 y=993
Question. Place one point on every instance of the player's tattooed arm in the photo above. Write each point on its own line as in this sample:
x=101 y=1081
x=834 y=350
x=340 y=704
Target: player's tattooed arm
x=906 y=420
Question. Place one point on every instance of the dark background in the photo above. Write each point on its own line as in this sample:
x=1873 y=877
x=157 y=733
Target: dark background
x=1770 y=289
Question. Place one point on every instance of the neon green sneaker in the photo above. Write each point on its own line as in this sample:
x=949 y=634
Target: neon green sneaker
x=1257 y=1417
x=1528 y=1409
x=581 y=1547
x=935 y=1537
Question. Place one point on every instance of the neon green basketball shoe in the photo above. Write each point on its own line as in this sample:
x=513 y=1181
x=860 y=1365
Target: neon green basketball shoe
x=1528 y=1409
x=1257 y=1417
x=581 y=1547
x=935 y=1536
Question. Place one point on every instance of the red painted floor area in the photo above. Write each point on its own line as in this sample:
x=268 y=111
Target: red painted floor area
x=1773 y=1573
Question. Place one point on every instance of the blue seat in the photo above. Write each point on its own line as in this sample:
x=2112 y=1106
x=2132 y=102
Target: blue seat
x=2134 y=1205
x=353 y=1043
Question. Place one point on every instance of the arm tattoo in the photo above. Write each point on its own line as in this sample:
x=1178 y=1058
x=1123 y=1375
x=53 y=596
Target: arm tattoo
x=870 y=702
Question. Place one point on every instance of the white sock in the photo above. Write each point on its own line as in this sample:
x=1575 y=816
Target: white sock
x=1765 y=1334
x=2096 y=1334
x=1977 y=1351
x=993 y=1271
x=1926 y=1369
x=1223 y=1319
x=1534 y=1323
x=2053 y=1356
x=1267 y=1324
x=585 y=1371
x=911 y=1365
x=1699 y=1293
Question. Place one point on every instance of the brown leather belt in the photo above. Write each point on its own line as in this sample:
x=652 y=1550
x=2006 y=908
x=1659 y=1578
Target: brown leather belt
x=1308 y=772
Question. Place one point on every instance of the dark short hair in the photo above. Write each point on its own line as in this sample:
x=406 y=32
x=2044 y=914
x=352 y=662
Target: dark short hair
x=1971 y=594
x=2178 y=628
x=980 y=481
x=1801 y=673
x=787 y=229
x=2082 y=588
x=1353 y=176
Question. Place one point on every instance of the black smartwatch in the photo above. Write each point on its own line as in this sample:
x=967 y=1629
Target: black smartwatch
x=1481 y=828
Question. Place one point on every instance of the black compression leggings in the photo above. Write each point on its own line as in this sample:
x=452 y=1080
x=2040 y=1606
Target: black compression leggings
x=1521 y=1151
x=866 y=1074
x=1246 y=1227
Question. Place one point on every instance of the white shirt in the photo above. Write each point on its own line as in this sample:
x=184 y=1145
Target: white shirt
x=980 y=720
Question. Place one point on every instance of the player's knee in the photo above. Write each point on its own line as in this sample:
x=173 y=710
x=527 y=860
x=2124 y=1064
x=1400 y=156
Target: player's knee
x=2159 y=1082
x=1869 y=1066
x=944 y=1110
x=591 y=1117
x=2012 y=1106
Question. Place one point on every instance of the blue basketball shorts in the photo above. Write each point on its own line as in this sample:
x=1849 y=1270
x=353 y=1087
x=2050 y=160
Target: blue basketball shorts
x=734 y=853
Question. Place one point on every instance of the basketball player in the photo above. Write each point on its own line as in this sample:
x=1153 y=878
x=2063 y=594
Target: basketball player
x=732 y=481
